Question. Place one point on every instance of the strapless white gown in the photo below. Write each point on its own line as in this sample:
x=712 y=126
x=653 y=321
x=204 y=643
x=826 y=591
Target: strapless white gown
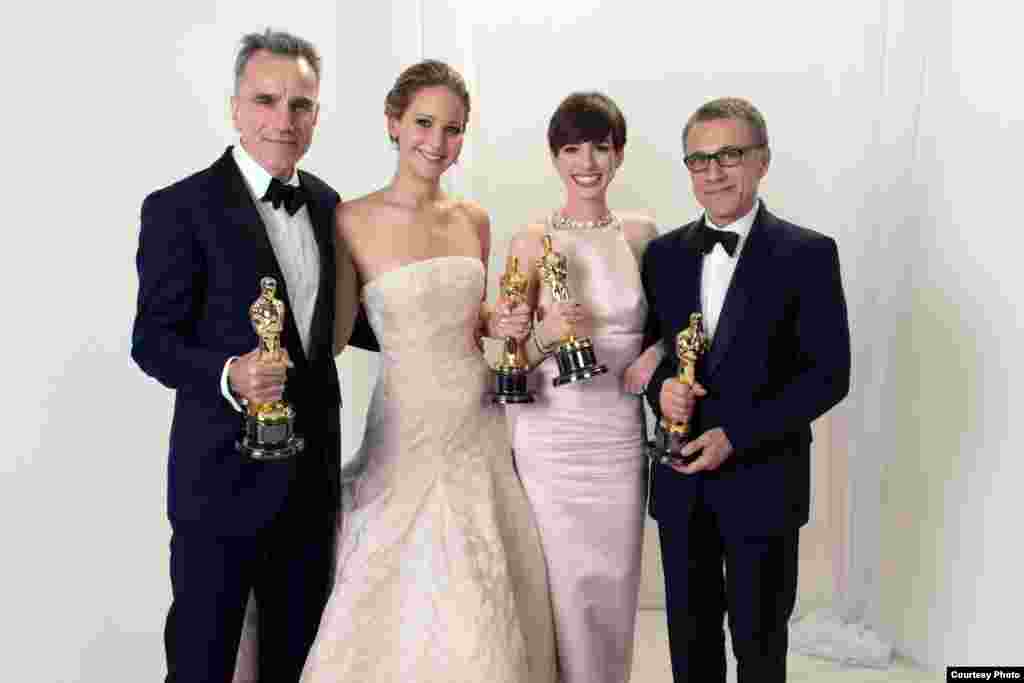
x=439 y=571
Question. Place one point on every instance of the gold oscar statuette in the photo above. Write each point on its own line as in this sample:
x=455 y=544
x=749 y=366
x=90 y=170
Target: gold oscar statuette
x=269 y=429
x=511 y=373
x=670 y=437
x=575 y=355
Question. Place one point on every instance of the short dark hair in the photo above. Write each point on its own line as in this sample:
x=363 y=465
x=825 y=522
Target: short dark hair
x=429 y=73
x=586 y=117
x=729 y=108
x=278 y=43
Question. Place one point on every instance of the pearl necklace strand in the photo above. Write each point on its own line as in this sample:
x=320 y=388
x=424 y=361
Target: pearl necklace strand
x=560 y=222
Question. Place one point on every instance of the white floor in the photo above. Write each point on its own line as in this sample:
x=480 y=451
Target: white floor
x=651 y=663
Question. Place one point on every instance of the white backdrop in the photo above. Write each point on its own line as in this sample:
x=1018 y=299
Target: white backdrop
x=895 y=126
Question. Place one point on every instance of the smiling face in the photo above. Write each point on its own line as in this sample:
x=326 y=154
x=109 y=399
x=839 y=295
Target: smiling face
x=275 y=110
x=587 y=168
x=429 y=132
x=727 y=194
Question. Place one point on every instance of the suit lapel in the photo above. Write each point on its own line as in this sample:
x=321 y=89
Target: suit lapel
x=745 y=279
x=240 y=211
x=683 y=275
x=691 y=246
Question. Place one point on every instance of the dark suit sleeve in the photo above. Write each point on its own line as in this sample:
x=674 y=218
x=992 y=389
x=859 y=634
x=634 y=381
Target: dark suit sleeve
x=171 y=278
x=653 y=331
x=821 y=376
x=362 y=333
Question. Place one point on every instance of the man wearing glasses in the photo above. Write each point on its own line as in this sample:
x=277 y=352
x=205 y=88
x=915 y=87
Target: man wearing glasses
x=773 y=308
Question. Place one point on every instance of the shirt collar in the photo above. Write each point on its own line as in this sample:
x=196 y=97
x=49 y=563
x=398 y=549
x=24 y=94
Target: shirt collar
x=255 y=175
x=741 y=226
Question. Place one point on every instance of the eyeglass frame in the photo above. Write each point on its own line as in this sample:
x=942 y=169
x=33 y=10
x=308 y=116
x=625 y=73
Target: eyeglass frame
x=717 y=157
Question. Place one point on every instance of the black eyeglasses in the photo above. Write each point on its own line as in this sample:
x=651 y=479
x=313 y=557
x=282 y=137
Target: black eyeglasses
x=726 y=157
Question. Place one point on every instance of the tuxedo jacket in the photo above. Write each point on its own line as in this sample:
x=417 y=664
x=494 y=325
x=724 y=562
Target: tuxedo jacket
x=780 y=358
x=203 y=249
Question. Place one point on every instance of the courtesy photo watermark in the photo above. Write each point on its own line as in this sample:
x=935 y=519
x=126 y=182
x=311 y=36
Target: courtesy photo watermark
x=984 y=673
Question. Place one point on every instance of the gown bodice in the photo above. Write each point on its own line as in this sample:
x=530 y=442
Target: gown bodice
x=426 y=310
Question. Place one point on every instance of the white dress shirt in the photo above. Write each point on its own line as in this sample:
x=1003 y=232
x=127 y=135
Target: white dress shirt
x=719 y=267
x=295 y=247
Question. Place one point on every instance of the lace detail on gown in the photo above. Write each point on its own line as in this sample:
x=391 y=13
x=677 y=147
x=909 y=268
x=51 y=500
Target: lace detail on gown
x=439 y=574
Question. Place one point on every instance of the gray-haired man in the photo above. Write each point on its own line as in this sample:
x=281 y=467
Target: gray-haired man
x=205 y=244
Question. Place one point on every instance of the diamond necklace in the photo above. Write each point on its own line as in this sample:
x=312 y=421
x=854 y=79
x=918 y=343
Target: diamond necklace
x=560 y=222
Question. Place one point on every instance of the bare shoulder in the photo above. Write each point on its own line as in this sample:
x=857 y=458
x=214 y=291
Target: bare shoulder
x=351 y=215
x=469 y=210
x=531 y=232
x=529 y=240
x=637 y=227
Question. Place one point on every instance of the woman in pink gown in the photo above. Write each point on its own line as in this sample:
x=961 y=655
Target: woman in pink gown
x=578 y=447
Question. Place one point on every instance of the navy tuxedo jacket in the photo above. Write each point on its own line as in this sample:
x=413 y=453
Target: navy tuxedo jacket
x=779 y=359
x=203 y=248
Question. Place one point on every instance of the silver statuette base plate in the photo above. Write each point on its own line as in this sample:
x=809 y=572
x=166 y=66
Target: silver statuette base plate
x=666 y=447
x=264 y=453
x=579 y=375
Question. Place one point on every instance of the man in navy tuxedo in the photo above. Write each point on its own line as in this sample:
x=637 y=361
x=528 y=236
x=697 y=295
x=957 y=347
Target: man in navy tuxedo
x=205 y=244
x=772 y=302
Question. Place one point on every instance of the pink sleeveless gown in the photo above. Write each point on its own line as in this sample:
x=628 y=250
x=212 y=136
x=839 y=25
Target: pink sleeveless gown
x=578 y=453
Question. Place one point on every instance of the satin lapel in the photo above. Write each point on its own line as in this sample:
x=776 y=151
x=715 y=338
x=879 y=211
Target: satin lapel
x=321 y=217
x=691 y=299
x=679 y=286
x=240 y=211
x=750 y=271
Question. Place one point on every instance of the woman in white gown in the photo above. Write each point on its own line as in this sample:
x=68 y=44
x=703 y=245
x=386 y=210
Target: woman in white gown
x=439 y=573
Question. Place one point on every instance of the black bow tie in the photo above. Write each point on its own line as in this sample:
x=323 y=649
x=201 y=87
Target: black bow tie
x=293 y=197
x=710 y=236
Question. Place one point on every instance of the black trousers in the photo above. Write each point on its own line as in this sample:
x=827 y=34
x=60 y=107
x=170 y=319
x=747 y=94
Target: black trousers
x=757 y=589
x=286 y=564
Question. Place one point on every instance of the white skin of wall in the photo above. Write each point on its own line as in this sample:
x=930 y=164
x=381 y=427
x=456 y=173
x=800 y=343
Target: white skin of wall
x=105 y=103
x=950 y=587
x=102 y=117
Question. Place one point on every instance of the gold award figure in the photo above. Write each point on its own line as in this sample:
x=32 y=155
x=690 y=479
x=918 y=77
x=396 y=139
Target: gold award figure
x=691 y=344
x=510 y=375
x=267 y=316
x=554 y=272
x=269 y=427
x=575 y=355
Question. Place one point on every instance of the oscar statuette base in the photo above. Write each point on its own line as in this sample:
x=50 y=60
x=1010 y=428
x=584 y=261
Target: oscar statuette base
x=267 y=440
x=510 y=386
x=667 y=444
x=576 y=362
